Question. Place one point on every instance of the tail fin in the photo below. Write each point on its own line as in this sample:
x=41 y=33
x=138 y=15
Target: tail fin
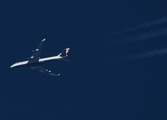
x=64 y=52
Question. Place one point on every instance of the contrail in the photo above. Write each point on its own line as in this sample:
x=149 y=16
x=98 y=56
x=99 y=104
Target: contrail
x=144 y=55
x=142 y=26
x=143 y=36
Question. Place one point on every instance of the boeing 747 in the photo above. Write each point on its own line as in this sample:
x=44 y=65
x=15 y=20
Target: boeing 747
x=35 y=62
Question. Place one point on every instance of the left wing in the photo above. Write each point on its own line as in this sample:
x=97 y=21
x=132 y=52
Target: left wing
x=36 y=53
x=44 y=71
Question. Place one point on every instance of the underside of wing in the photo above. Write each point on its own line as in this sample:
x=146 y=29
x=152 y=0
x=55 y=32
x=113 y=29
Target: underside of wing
x=53 y=74
x=36 y=53
x=44 y=71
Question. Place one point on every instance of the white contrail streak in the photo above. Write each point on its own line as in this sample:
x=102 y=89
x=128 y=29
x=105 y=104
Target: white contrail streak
x=144 y=55
x=143 y=36
x=142 y=26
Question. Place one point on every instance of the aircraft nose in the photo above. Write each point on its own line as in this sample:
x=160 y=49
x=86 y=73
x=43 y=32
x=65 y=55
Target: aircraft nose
x=11 y=66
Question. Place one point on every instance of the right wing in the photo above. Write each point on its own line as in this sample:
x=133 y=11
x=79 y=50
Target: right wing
x=36 y=53
x=44 y=71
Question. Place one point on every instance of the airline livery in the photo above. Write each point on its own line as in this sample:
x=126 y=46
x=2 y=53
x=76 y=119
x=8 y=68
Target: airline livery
x=35 y=62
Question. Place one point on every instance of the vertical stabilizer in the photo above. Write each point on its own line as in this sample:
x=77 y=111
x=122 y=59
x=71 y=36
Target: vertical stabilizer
x=64 y=52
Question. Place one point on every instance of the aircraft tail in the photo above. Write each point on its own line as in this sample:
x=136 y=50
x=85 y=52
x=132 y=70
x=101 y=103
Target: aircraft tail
x=64 y=52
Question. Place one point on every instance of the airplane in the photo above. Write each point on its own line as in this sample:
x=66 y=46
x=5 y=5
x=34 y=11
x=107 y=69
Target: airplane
x=35 y=62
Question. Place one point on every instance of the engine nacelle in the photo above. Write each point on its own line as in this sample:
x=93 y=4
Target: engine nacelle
x=48 y=71
x=29 y=58
x=36 y=50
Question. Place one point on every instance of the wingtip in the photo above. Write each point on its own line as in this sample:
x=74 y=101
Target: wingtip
x=44 y=39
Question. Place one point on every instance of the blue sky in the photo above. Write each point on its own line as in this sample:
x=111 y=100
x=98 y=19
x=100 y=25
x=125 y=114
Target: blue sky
x=95 y=84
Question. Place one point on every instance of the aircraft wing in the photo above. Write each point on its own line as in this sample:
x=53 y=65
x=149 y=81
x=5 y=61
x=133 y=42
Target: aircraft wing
x=36 y=53
x=44 y=71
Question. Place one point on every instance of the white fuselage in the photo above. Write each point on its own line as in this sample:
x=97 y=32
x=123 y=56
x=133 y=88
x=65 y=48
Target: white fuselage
x=41 y=61
x=50 y=58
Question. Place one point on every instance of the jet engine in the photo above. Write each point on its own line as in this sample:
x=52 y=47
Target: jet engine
x=29 y=58
x=48 y=71
x=36 y=50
